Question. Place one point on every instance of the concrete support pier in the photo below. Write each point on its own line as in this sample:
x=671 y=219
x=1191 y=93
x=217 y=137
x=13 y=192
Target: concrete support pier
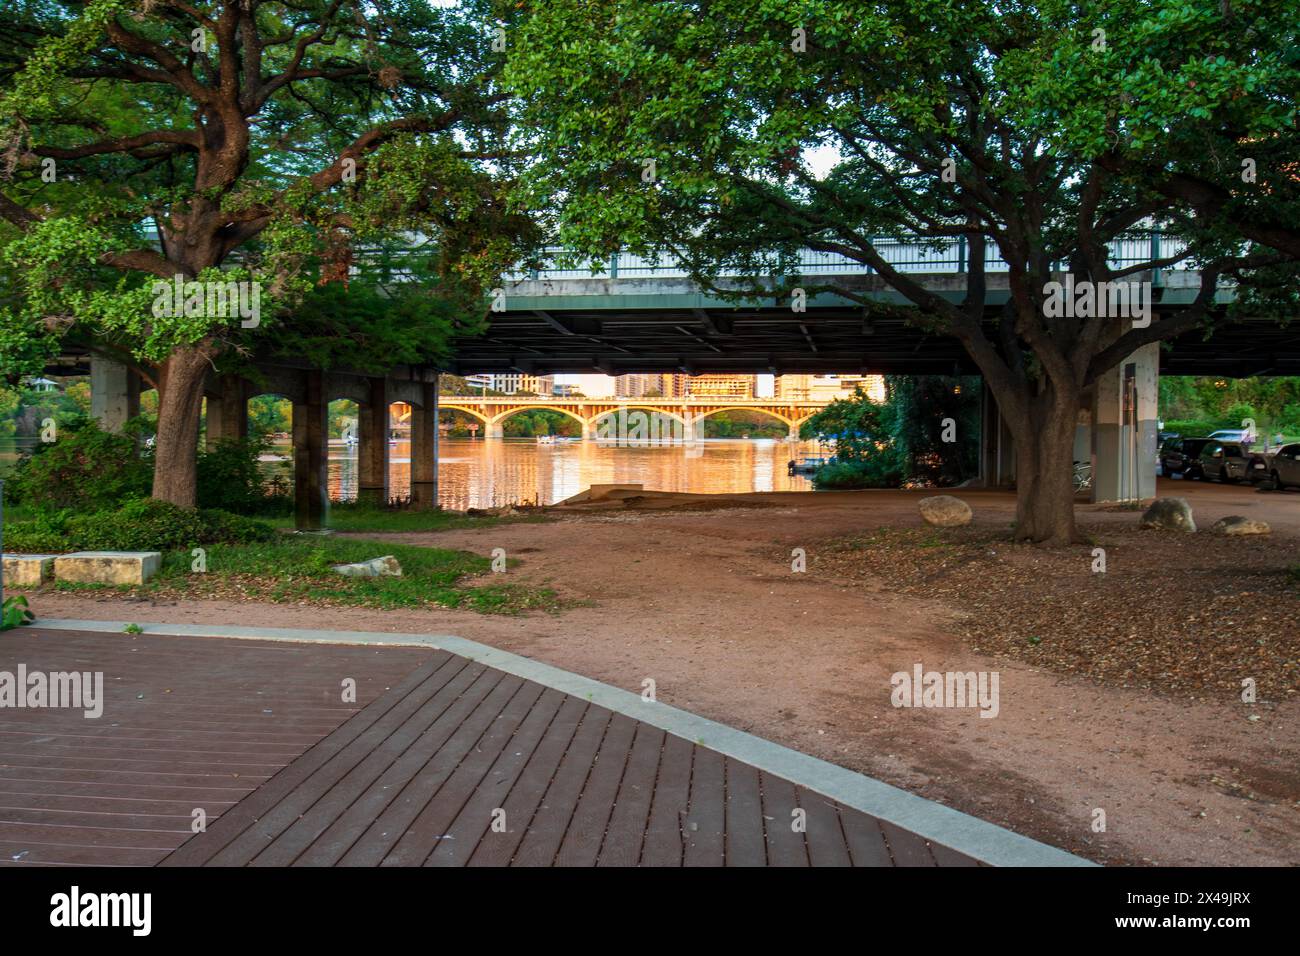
x=227 y=413
x=494 y=430
x=311 y=454
x=1125 y=429
x=114 y=393
x=372 y=446
x=424 y=449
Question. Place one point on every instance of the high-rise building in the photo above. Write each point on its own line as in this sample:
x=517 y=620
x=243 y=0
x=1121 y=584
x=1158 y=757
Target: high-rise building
x=720 y=386
x=515 y=383
x=827 y=388
x=637 y=386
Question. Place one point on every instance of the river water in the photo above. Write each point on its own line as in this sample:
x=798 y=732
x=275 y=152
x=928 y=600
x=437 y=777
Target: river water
x=486 y=473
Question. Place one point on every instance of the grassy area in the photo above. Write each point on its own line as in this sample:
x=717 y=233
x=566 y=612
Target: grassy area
x=351 y=517
x=297 y=570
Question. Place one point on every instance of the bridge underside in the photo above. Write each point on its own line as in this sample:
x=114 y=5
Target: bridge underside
x=822 y=340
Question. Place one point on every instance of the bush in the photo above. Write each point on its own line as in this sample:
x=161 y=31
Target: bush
x=139 y=525
x=230 y=478
x=88 y=469
x=856 y=474
x=1193 y=427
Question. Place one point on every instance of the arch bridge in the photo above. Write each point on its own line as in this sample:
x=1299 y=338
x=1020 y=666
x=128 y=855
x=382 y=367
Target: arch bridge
x=492 y=411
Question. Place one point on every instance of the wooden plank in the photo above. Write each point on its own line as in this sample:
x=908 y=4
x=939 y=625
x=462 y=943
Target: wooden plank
x=479 y=814
x=746 y=844
x=458 y=735
x=498 y=848
x=434 y=820
x=467 y=690
x=703 y=829
x=664 y=843
x=586 y=830
x=825 y=839
x=625 y=833
x=338 y=796
x=906 y=848
x=545 y=832
x=785 y=845
x=865 y=840
x=366 y=727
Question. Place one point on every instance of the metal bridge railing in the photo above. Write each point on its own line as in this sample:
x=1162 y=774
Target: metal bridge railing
x=916 y=257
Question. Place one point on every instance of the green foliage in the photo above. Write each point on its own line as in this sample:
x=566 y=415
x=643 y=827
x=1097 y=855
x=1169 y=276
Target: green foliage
x=15 y=613
x=921 y=407
x=880 y=471
x=87 y=469
x=139 y=525
x=230 y=478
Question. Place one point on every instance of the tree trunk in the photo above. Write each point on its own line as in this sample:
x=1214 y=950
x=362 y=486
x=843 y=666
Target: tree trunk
x=180 y=400
x=1045 y=472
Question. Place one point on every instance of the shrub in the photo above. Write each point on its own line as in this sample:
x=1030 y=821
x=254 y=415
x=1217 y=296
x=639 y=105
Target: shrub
x=230 y=478
x=858 y=474
x=139 y=525
x=88 y=469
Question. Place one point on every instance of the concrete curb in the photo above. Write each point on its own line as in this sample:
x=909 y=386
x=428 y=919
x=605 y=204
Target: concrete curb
x=966 y=834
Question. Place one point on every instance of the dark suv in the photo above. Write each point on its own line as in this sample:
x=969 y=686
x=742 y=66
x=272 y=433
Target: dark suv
x=1181 y=456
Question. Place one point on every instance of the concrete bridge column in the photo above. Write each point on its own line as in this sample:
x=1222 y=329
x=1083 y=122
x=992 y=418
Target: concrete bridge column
x=311 y=455
x=1124 y=428
x=114 y=393
x=493 y=430
x=372 y=446
x=227 y=413
x=997 y=447
x=424 y=449
x=793 y=434
x=588 y=431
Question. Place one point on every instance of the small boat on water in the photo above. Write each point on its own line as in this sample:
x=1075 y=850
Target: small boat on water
x=806 y=466
x=546 y=439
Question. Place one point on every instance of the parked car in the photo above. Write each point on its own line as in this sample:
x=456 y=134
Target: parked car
x=1231 y=462
x=1284 y=468
x=1181 y=456
x=1233 y=434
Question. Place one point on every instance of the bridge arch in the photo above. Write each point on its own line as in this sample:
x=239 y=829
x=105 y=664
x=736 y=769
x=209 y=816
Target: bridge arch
x=470 y=410
x=642 y=407
x=501 y=417
x=761 y=411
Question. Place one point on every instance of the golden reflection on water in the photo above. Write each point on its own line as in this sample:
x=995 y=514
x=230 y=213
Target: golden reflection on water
x=485 y=473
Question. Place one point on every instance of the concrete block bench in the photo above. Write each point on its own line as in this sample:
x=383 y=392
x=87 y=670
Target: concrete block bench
x=26 y=570
x=107 y=567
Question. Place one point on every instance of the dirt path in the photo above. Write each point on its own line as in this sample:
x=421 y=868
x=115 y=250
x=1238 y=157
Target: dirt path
x=706 y=605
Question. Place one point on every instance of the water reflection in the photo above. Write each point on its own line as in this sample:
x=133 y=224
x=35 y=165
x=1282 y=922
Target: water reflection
x=487 y=473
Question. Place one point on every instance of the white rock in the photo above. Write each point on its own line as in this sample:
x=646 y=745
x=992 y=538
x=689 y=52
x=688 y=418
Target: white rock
x=385 y=567
x=945 y=511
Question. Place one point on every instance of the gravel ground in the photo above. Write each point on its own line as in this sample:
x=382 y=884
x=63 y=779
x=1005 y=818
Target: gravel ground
x=1182 y=614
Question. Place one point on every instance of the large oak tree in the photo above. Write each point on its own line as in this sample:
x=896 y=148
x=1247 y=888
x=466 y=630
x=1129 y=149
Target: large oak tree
x=256 y=140
x=935 y=114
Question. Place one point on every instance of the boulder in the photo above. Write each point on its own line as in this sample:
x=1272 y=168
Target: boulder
x=1240 y=524
x=385 y=567
x=945 y=511
x=1169 y=514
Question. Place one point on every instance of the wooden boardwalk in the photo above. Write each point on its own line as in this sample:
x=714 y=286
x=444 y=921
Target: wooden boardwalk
x=188 y=724
x=462 y=764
